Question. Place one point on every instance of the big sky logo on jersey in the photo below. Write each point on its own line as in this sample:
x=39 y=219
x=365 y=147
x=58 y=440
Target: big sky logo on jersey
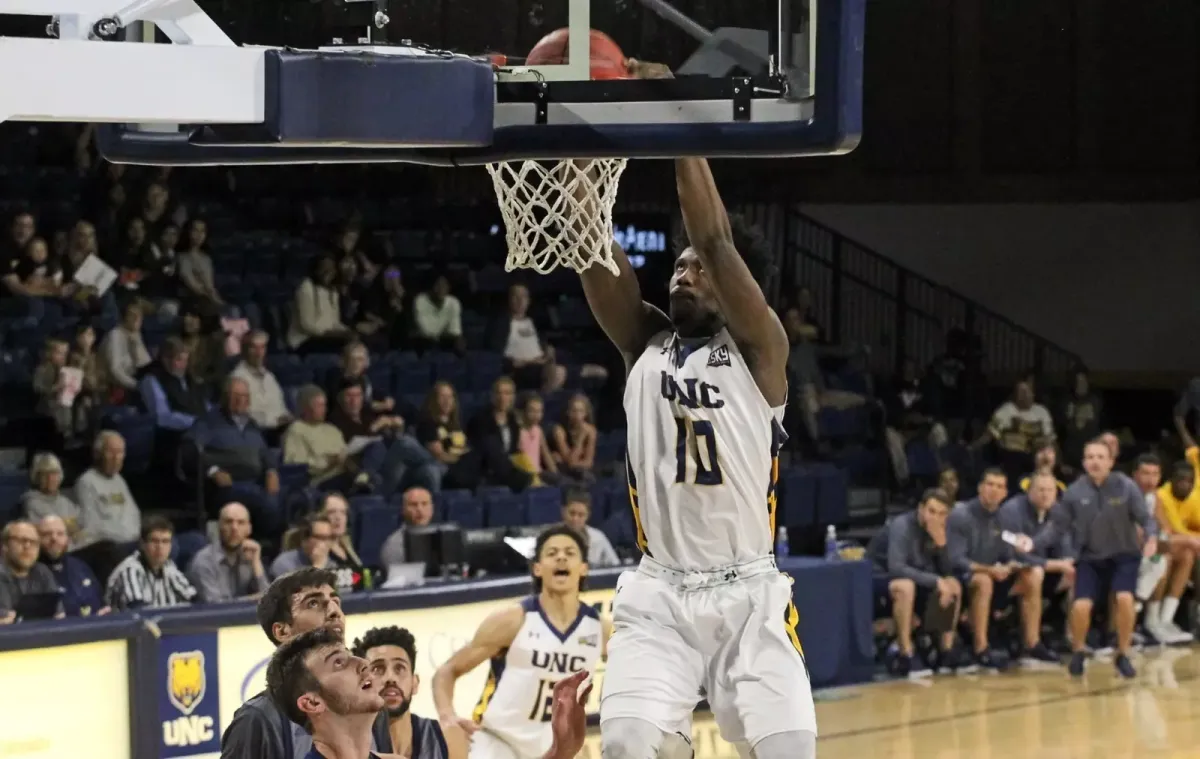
x=691 y=393
x=189 y=705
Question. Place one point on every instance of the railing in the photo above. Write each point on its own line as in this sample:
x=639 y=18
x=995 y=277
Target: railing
x=864 y=298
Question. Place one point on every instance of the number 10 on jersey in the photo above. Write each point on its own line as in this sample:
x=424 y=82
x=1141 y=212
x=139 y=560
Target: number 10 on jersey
x=696 y=440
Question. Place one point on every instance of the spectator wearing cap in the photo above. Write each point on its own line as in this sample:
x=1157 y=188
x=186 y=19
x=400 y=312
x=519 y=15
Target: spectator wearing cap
x=438 y=318
x=123 y=355
x=314 y=442
x=575 y=513
x=993 y=572
x=316 y=314
x=81 y=591
x=268 y=408
x=393 y=457
x=20 y=572
x=231 y=567
x=1102 y=512
x=45 y=498
x=910 y=555
x=228 y=449
x=148 y=578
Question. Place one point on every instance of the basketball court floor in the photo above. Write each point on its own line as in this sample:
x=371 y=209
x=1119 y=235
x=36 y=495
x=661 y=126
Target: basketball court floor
x=1017 y=715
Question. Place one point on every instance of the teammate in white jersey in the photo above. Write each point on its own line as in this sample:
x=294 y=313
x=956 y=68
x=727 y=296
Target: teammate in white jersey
x=707 y=612
x=531 y=646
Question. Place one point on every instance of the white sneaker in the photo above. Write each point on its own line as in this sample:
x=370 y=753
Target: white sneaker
x=1174 y=634
x=1158 y=631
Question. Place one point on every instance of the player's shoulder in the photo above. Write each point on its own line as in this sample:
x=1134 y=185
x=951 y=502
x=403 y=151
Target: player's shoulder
x=258 y=706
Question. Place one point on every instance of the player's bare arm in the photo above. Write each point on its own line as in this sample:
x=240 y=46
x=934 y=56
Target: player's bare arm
x=617 y=304
x=495 y=634
x=751 y=321
x=606 y=628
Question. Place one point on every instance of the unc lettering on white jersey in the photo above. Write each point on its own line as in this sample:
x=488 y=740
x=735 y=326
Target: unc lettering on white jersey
x=702 y=454
x=516 y=700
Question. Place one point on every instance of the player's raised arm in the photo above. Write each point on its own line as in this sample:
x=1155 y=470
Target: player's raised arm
x=748 y=317
x=617 y=304
x=495 y=634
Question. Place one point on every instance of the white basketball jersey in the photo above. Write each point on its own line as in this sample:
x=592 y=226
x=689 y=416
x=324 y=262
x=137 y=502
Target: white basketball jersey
x=516 y=700
x=702 y=454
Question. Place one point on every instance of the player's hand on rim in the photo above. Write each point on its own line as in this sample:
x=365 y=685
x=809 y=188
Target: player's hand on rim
x=647 y=70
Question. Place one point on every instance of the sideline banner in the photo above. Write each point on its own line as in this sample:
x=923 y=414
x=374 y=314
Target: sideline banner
x=65 y=701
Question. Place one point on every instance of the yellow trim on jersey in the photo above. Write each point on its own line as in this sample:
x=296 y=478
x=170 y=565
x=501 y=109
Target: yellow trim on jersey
x=773 y=496
x=489 y=690
x=792 y=623
x=637 y=520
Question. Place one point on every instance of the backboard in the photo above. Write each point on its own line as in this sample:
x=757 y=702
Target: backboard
x=420 y=81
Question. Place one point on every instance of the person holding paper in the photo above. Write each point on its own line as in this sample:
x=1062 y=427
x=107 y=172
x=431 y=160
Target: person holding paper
x=379 y=443
x=314 y=442
x=57 y=386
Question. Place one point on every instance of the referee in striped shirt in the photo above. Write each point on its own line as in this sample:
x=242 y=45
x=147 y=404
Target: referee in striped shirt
x=148 y=577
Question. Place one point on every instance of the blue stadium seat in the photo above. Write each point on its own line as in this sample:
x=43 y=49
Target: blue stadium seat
x=12 y=486
x=375 y=523
x=381 y=381
x=797 y=498
x=185 y=546
x=545 y=505
x=361 y=503
x=463 y=509
x=294 y=375
x=322 y=363
x=833 y=506
x=505 y=510
x=412 y=378
x=484 y=368
x=620 y=529
x=139 y=432
x=921 y=461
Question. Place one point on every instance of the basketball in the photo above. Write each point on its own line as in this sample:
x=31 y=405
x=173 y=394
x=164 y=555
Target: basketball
x=608 y=62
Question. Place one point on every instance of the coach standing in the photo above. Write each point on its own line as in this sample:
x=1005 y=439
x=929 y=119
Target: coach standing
x=1102 y=511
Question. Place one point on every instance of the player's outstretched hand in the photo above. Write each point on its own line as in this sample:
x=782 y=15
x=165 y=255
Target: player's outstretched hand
x=647 y=70
x=568 y=719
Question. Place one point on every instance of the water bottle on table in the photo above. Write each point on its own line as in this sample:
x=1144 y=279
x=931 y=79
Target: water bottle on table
x=781 y=543
x=831 y=544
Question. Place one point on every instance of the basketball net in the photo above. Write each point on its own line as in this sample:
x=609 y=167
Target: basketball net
x=558 y=213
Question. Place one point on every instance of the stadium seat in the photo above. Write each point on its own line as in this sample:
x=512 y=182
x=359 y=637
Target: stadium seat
x=360 y=503
x=139 y=432
x=185 y=546
x=832 y=495
x=372 y=527
x=797 y=498
x=12 y=486
x=505 y=510
x=466 y=512
x=545 y=505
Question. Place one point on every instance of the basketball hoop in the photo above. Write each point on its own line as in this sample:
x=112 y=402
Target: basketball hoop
x=558 y=213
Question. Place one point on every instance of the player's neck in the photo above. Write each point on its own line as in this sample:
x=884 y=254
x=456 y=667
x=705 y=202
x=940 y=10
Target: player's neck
x=561 y=609
x=400 y=728
x=344 y=736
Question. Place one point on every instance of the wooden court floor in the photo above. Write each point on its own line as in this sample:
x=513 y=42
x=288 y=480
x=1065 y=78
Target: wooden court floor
x=1018 y=715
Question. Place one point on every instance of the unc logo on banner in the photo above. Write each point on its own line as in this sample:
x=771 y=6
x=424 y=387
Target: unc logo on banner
x=189 y=708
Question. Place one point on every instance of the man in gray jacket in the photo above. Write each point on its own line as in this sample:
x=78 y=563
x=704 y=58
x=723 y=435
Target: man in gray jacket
x=909 y=555
x=1101 y=513
x=993 y=572
x=296 y=603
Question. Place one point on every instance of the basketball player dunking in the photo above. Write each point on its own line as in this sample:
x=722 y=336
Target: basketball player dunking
x=706 y=612
x=531 y=646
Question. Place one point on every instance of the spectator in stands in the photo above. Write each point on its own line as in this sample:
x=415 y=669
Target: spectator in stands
x=910 y=554
x=1015 y=427
x=1032 y=514
x=528 y=359
x=205 y=345
x=45 y=498
x=1081 y=419
x=910 y=417
x=232 y=456
x=439 y=429
x=355 y=362
x=56 y=391
x=35 y=274
x=157 y=209
x=342 y=556
x=268 y=408
x=993 y=573
x=22 y=229
x=496 y=434
x=438 y=318
x=168 y=393
x=159 y=276
x=806 y=324
x=952 y=377
x=316 y=540
x=78 y=584
x=109 y=519
x=576 y=511
x=20 y=572
x=84 y=358
x=416 y=511
x=1102 y=512
x=1045 y=461
x=574 y=440
x=1177 y=506
x=195 y=269
x=314 y=442
x=316 y=314
x=127 y=259
x=394 y=457
x=948 y=483
x=535 y=453
x=810 y=394
x=148 y=578
x=123 y=355
x=231 y=568
x=1187 y=409
x=382 y=319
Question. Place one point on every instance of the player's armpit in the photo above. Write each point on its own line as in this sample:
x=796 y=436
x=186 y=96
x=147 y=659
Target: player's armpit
x=751 y=321
x=616 y=302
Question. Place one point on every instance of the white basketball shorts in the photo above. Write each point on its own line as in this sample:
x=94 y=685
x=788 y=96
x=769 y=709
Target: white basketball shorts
x=727 y=635
x=488 y=745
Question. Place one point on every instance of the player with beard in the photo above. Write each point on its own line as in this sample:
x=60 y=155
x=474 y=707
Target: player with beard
x=531 y=645
x=391 y=653
x=317 y=683
x=297 y=602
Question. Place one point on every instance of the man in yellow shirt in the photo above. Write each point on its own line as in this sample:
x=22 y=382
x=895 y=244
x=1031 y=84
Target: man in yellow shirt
x=1178 y=512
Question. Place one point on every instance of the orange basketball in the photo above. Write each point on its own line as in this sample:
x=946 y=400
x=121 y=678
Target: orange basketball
x=608 y=62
